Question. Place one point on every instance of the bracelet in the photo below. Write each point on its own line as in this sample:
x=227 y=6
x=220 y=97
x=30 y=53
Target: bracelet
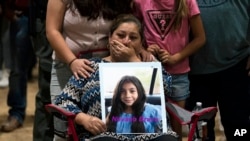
x=71 y=62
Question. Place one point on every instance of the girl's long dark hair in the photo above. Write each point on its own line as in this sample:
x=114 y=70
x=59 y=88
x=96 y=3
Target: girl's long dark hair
x=109 y=9
x=118 y=107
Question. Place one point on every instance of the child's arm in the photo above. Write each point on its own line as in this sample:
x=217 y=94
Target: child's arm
x=154 y=49
x=198 y=40
x=198 y=37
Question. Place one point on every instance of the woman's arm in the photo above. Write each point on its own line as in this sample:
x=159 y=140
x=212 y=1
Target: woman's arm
x=54 y=22
x=90 y=123
x=70 y=97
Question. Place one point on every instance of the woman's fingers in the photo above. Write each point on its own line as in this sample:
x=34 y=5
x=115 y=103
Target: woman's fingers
x=97 y=126
x=76 y=75
x=81 y=67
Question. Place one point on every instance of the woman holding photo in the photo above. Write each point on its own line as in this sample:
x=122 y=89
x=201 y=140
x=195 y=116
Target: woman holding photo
x=82 y=96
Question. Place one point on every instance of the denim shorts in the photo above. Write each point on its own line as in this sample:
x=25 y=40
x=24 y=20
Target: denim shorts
x=180 y=87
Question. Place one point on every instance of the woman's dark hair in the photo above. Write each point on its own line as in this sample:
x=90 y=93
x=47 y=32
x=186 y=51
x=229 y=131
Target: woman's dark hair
x=109 y=9
x=126 y=18
x=118 y=107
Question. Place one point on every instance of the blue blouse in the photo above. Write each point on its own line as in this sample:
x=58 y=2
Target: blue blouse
x=151 y=118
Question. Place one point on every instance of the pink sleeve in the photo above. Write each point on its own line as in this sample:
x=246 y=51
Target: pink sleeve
x=193 y=8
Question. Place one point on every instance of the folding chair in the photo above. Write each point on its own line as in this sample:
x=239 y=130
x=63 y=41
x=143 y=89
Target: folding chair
x=183 y=116
x=67 y=129
x=191 y=119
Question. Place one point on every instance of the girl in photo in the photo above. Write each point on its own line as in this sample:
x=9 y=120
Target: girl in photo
x=130 y=113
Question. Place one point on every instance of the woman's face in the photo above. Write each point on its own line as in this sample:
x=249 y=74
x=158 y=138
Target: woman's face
x=129 y=94
x=128 y=35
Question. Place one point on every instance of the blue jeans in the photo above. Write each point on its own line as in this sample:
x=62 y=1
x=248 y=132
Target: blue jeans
x=5 y=43
x=21 y=50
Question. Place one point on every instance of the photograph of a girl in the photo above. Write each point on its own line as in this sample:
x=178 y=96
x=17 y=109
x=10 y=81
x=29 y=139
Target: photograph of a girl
x=130 y=113
x=131 y=117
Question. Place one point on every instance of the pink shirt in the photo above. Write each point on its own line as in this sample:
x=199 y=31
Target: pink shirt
x=158 y=16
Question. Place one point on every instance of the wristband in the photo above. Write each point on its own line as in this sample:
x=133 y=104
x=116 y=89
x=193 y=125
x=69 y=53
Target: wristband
x=71 y=62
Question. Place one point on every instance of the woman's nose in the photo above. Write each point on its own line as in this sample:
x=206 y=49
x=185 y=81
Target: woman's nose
x=126 y=40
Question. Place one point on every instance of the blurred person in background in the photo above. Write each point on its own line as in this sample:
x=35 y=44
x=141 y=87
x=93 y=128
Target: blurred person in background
x=220 y=69
x=4 y=47
x=21 y=53
x=42 y=129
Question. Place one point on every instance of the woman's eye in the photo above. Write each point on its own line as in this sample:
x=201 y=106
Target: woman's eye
x=133 y=38
x=121 y=35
